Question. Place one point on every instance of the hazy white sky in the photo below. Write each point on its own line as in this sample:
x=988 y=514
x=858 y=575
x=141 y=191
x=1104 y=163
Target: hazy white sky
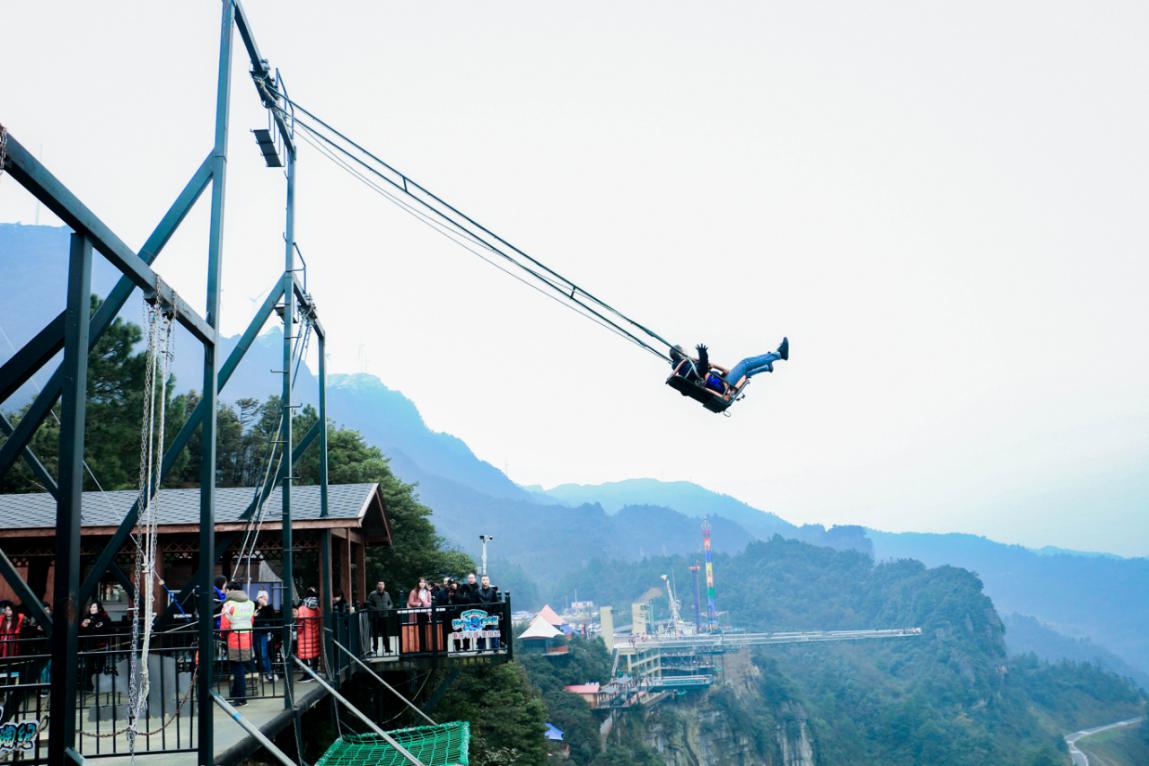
x=942 y=204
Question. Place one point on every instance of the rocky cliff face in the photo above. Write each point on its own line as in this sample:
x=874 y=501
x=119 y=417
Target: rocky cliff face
x=794 y=738
x=735 y=723
x=698 y=732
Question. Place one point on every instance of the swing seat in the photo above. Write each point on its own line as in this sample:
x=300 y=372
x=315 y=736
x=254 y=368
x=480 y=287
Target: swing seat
x=706 y=396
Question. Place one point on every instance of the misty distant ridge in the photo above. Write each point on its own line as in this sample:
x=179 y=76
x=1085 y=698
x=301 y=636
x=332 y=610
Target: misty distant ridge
x=976 y=539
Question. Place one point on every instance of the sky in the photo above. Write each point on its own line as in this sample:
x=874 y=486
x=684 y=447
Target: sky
x=941 y=204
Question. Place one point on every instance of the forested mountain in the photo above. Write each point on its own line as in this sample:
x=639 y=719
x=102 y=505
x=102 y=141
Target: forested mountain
x=1074 y=594
x=949 y=696
x=1101 y=598
x=1028 y=635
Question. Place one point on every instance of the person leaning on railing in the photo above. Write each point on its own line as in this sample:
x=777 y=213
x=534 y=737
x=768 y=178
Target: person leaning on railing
x=307 y=640
x=11 y=625
x=487 y=594
x=263 y=622
x=419 y=598
x=94 y=629
x=378 y=605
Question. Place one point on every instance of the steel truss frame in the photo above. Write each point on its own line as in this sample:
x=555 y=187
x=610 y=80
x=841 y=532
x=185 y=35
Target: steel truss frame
x=76 y=331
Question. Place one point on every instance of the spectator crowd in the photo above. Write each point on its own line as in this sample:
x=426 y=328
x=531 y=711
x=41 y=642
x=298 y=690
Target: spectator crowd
x=251 y=633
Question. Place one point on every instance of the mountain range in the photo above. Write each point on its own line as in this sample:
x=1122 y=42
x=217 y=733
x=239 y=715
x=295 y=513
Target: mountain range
x=548 y=534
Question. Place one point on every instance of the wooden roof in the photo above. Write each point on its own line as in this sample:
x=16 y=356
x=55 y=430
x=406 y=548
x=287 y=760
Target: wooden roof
x=356 y=506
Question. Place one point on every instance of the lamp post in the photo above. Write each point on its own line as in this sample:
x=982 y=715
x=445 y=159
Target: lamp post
x=486 y=539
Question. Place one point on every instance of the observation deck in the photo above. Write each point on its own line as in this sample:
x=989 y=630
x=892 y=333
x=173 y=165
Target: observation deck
x=167 y=732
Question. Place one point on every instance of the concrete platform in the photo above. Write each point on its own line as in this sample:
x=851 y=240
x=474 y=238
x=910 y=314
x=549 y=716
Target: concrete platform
x=232 y=743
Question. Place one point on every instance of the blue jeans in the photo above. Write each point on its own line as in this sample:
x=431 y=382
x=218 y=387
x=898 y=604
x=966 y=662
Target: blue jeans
x=263 y=652
x=751 y=366
x=238 y=680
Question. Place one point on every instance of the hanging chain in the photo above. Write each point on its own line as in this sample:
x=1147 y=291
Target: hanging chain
x=134 y=672
x=152 y=436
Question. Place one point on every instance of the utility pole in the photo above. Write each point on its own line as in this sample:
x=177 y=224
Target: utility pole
x=485 y=539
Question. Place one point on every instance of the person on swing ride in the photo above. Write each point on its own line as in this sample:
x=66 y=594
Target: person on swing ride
x=718 y=379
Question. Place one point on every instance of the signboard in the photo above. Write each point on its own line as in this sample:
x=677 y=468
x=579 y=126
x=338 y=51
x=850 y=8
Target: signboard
x=19 y=735
x=476 y=623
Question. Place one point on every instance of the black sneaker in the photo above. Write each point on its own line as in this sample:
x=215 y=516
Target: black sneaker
x=784 y=348
x=238 y=703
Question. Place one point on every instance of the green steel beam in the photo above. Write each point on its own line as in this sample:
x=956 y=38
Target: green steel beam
x=66 y=605
x=38 y=351
x=125 y=581
x=36 y=178
x=322 y=425
x=288 y=460
x=260 y=72
x=205 y=679
x=28 y=599
x=38 y=470
x=22 y=365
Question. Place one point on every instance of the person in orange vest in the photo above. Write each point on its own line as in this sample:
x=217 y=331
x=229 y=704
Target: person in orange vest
x=307 y=637
x=235 y=620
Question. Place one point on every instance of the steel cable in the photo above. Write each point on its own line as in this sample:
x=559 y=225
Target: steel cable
x=464 y=225
x=461 y=237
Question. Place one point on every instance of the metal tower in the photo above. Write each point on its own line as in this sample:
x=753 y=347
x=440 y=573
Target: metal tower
x=711 y=609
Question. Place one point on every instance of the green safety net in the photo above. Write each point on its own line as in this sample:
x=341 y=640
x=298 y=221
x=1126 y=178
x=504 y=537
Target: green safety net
x=443 y=745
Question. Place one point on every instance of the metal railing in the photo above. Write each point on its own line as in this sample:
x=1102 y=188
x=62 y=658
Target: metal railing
x=437 y=632
x=249 y=664
x=24 y=669
x=167 y=722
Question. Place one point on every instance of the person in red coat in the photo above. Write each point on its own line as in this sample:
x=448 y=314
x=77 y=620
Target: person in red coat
x=308 y=632
x=11 y=625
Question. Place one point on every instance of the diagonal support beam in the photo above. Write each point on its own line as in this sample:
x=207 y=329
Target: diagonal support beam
x=28 y=599
x=260 y=71
x=33 y=355
x=125 y=581
x=22 y=434
x=38 y=470
x=33 y=176
x=38 y=351
x=307 y=307
x=120 y=537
